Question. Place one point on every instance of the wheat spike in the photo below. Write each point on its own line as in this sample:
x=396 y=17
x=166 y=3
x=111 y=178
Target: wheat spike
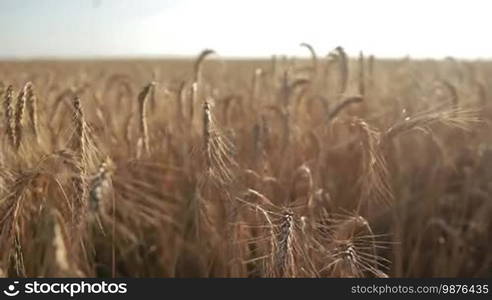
x=9 y=115
x=142 y=100
x=19 y=113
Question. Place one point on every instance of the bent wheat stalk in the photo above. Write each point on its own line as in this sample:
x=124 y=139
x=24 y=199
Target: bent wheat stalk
x=314 y=57
x=197 y=67
x=362 y=86
x=342 y=105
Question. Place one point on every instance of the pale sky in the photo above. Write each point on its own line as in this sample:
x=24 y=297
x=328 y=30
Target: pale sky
x=386 y=28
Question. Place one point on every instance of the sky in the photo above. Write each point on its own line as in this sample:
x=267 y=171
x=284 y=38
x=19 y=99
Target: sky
x=152 y=28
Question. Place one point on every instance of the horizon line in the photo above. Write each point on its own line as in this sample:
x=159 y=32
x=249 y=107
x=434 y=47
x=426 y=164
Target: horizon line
x=216 y=56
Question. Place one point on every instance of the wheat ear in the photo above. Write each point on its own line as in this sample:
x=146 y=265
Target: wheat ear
x=79 y=148
x=142 y=100
x=9 y=115
x=19 y=113
x=32 y=107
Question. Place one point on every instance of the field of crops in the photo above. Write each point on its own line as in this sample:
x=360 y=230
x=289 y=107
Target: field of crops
x=328 y=166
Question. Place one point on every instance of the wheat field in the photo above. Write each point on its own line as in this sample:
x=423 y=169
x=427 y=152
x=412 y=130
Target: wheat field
x=330 y=166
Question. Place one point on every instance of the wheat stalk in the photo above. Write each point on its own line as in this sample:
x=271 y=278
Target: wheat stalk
x=344 y=71
x=99 y=184
x=341 y=106
x=456 y=117
x=19 y=116
x=197 y=67
x=79 y=180
x=9 y=115
x=283 y=257
x=361 y=86
x=33 y=112
x=144 y=131
x=314 y=57
x=217 y=148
